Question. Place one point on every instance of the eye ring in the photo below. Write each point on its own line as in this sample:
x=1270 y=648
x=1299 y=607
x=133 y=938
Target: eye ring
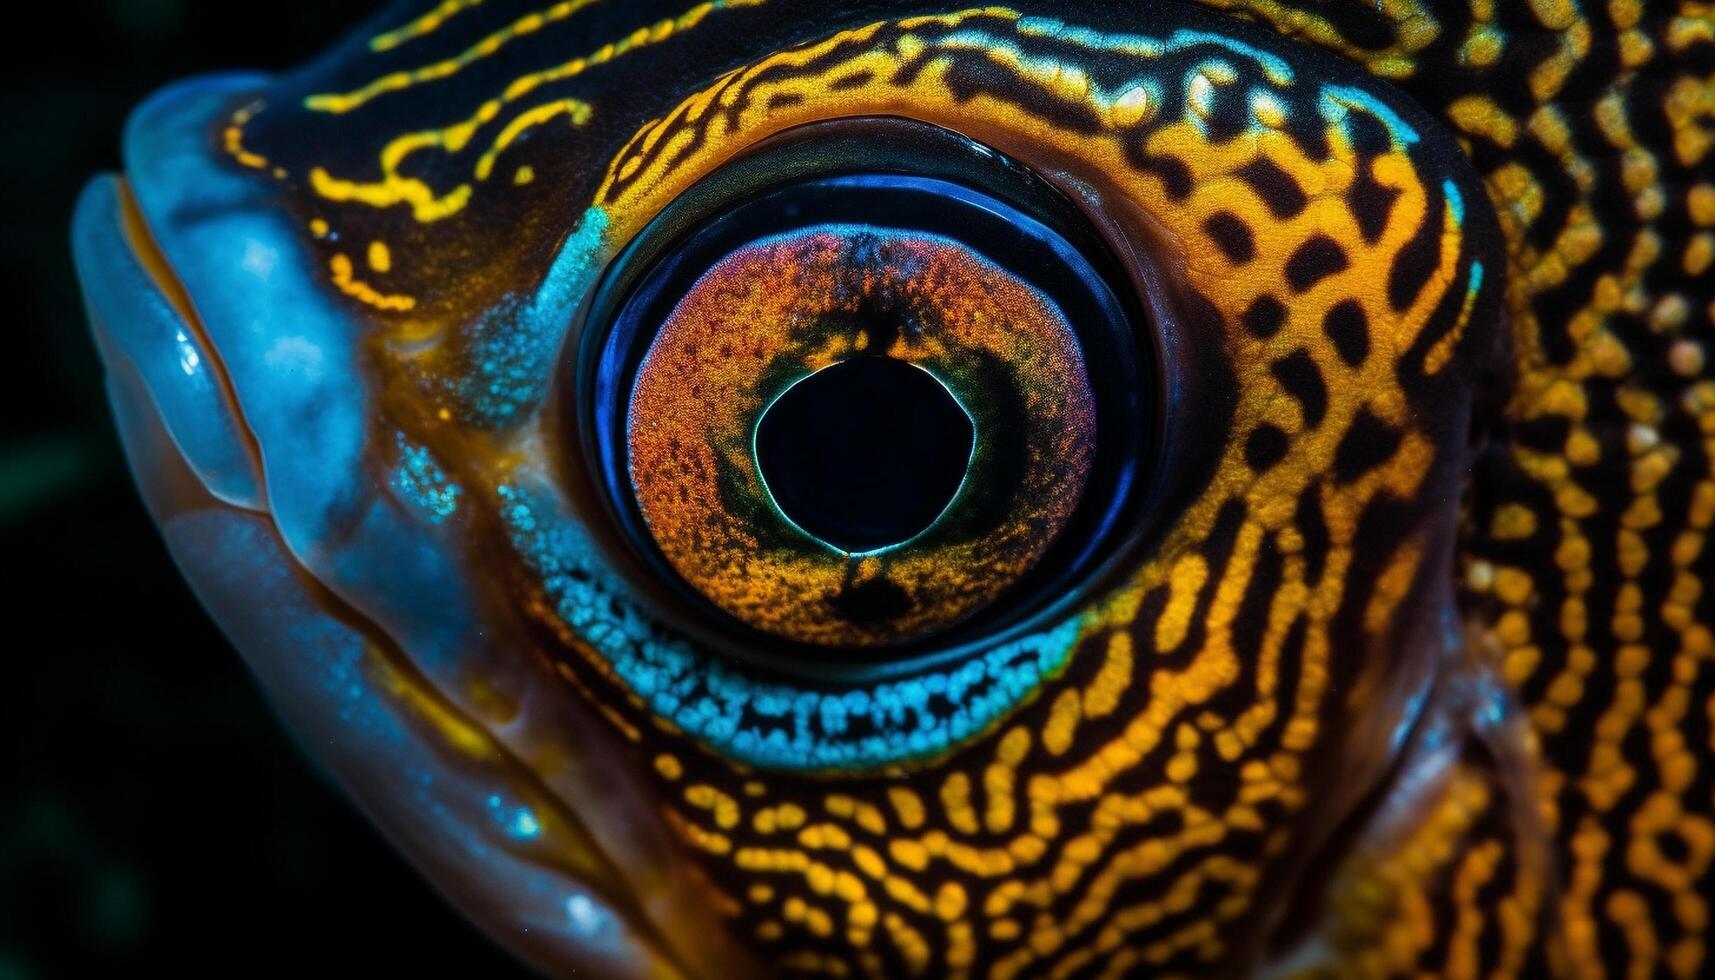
x=846 y=169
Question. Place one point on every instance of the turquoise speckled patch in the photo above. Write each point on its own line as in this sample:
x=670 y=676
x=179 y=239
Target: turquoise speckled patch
x=768 y=723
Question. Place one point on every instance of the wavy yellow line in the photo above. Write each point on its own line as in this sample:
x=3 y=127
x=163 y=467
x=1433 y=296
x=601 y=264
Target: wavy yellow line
x=340 y=102
x=577 y=110
x=426 y=205
x=426 y=24
x=341 y=269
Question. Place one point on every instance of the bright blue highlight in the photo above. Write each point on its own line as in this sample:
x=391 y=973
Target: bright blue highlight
x=133 y=320
x=1455 y=204
x=518 y=821
x=1338 y=100
x=420 y=481
x=1136 y=45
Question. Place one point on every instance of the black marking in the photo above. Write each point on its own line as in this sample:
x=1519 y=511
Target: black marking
x=1418 y=260
x=1312 y=528
x=1264 y=317
x=1291 y=669
x=1315 y=260
x=1369 y=443
x=1374 y=543
x=1544 y=434
x=1370 y=137
x=1175 y=175
x=1349 y=329
x=968 y=78
x=1371 y=204
x=1228 y=117
x=1265 y=447
x=1230 y=233
x=1250 y=623
x=857 y=79
x=1299 y=374
x=1218 y=548
x=1275 y=186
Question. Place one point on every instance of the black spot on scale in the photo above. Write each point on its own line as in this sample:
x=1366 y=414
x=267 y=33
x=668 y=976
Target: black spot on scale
x=1312 y=528
x=1308 y=129
x=1264 y=317
x=1349 y=330
x=1315 y=260
x=1228 y=116
x=1369 y=201
x=1174 y=174
x=1369 y=136
x=1543 y=434
x=1277 y=188
x=1371 y=204
x=1420 y=257
x=857 y=79
x=1230 y=233
x=968 y=78
x=1369 y=443
x=1299 y=374
x=1264 y=447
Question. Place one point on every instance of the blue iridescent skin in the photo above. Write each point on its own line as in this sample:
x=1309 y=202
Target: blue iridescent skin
x=252 y=492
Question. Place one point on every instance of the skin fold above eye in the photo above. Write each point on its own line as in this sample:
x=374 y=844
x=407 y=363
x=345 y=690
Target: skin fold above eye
x=1283 y=552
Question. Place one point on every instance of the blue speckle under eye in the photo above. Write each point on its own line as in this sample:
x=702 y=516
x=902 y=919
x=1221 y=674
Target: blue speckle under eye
x=421 y=482
x=771 y=724
x=511 y=347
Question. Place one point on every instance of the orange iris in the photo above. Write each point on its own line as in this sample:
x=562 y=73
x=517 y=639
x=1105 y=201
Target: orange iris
x=777 y=311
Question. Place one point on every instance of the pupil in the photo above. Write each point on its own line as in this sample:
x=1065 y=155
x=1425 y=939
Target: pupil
x=865 y=453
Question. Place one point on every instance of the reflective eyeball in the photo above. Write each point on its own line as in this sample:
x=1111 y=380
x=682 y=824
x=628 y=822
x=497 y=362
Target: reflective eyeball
x=859 y=407
x=851 y=434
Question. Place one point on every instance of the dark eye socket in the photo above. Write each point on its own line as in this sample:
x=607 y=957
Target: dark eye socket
x=749 y=360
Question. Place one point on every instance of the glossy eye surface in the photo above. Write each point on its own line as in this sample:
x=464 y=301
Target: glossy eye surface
x=854 y=411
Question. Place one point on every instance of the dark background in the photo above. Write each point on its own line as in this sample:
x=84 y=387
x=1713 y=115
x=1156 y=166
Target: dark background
x=154 y=819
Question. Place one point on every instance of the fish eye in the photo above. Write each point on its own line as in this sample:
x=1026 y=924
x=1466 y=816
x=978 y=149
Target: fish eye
x=870 y=386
